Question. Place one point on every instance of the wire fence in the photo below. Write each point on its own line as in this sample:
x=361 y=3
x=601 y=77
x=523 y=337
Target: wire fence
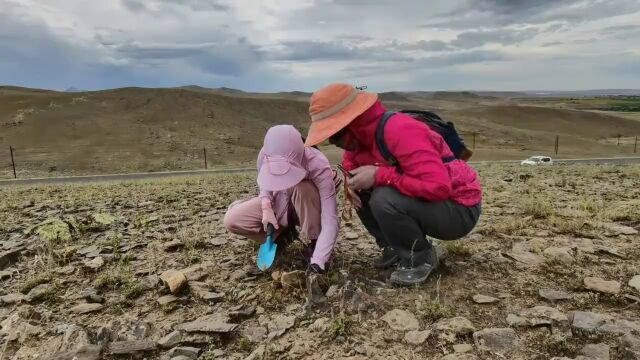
x=18 y=162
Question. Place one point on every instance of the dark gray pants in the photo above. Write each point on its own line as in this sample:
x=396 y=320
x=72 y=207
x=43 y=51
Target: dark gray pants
x=403 y=222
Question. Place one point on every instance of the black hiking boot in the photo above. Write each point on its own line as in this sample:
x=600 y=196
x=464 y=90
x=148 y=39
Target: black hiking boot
x=387 y=259
x=408 y=275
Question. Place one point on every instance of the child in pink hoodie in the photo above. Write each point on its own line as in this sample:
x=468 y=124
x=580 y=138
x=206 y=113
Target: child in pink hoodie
x=296 y=188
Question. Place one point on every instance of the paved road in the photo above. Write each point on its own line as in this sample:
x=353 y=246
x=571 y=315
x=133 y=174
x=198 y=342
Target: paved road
x=168 y=174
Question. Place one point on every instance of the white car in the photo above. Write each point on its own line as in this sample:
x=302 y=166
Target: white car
x=537 y=160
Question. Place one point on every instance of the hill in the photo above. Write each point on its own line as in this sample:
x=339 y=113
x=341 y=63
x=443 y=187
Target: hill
x=142 y=129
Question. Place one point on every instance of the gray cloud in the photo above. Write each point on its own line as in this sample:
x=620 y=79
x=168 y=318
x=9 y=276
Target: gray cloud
x=334 y=51
x=472 y=39
x=157 y=6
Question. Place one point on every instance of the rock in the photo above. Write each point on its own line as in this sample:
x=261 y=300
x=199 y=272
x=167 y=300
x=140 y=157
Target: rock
x=351 y=235
x=167 y=299
x=103 y=219
x=86 y=308
x=175 y=280
x=629 y=347
x=88 y=250
x=537 y=316
x=315 y=294
x=39 y=292
x=603 y=286
x=199 y=271
x=617 y=229
x=592 y=323
x=293 y=280
x=209 y=324
x=91 y=297
x=415 y=337
x=554 y=295
x=257 y=354
x=458 y=326
x=9 y=257
x=594 y=352
x=254 y=334
x=462 y=348
x=4 y=275
x=201 y=291
x=320 y=325
x=401 y=320
x=170 y=340
x=466 y=356
x=241 y=312
x=279 y=325
x=483 y=299
x=131 y=347
x=561 y=255
x=188 y=352
x=496 y=340
x=181 y=357
x=85 y=352
x=241 y=274
x=13 y=298
x=172 y=245
x=14 y=328
x=635 y=283
x=54 y=231
x=95 y=264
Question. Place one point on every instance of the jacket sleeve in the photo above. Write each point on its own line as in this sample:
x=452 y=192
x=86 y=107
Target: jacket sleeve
x=348 y=161
x=329 y=220
x=424 y=175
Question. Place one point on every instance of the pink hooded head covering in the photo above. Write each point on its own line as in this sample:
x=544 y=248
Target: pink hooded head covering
x=283 y=151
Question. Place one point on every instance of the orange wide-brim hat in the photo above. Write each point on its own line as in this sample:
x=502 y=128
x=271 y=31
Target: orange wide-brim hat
x=334 y=107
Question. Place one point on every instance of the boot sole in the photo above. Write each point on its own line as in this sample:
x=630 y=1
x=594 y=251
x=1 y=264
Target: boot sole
x=388 y=264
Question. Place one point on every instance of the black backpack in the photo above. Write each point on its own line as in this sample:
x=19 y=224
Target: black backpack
x=446 y=129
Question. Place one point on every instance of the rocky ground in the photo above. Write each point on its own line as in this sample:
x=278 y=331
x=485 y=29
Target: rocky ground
x=146 y=270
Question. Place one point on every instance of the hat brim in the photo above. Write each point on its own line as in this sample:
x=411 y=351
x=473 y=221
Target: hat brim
x=321 y=130
x=271 y=182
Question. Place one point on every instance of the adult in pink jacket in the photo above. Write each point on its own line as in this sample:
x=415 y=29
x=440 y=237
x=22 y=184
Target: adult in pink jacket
x=296 y=188
x=426 y=193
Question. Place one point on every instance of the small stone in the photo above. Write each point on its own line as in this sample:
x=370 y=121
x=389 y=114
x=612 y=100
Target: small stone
x=254 y=334
x=561 y=255
x=241 y=274
x=91 y=297
x=279 y=325
x=635 y=283
x=483 y=299
x=181 y=357
x=554 y=295
x=86 y=308
x=167 y=299
x=84 y=352
x=201 y=291
x=39 y=291
x=176 y=280
x=103 y=219
x=257 y=354
x=208 y=324
x=320 y=325
x=293 y=279
x=538 y=315
x=595 y=352
x=401 y=320
x=589 y=322
x=241 y=312
x=188 y=352
x=172 y=245
x=4 y=275
x=13 y=298
x=218 y=242
x=462 y=348
x=170 y=340
x=95 y=264
x=351 y=235
x=465 y=356
x=415 y=337
x=131 y=347
x=617 y=229
x=458 y=326
x=496 y=340
x=597 y=284
x=629 y=347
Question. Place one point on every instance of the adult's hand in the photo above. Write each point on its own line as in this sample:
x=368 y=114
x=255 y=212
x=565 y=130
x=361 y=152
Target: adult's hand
x=363 y=178
x=355 y=199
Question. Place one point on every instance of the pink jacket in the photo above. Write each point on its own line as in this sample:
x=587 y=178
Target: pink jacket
x=419 y=151
x=320 y=173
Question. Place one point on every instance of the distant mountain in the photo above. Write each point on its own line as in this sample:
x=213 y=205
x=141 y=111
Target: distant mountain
x=72 y=89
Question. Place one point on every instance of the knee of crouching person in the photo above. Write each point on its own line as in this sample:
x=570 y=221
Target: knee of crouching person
x=230 y=221
x=381 y=200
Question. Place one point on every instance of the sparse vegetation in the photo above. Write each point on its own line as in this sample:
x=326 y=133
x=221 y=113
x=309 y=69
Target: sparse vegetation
x=432 y=311
x=537 y=206
x=340 y=327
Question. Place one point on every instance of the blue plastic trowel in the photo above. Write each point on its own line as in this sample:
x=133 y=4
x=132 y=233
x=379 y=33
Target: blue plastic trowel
x=267 y=251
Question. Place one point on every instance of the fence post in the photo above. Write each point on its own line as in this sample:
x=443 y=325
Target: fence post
x=13 y=163
x=474 y=140
x=618 y=140
x=635 y=146
x=204 y=150
x=557 y=143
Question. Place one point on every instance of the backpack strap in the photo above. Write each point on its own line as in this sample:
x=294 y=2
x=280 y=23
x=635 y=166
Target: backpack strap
x=382 y=146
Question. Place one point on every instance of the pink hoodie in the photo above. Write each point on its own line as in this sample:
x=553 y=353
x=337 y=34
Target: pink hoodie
x=419 y=151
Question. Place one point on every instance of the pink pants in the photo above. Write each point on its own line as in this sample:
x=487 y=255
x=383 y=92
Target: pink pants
x=245 y=217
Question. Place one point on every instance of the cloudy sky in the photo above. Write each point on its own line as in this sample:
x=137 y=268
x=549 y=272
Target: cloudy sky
x=274 y=45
